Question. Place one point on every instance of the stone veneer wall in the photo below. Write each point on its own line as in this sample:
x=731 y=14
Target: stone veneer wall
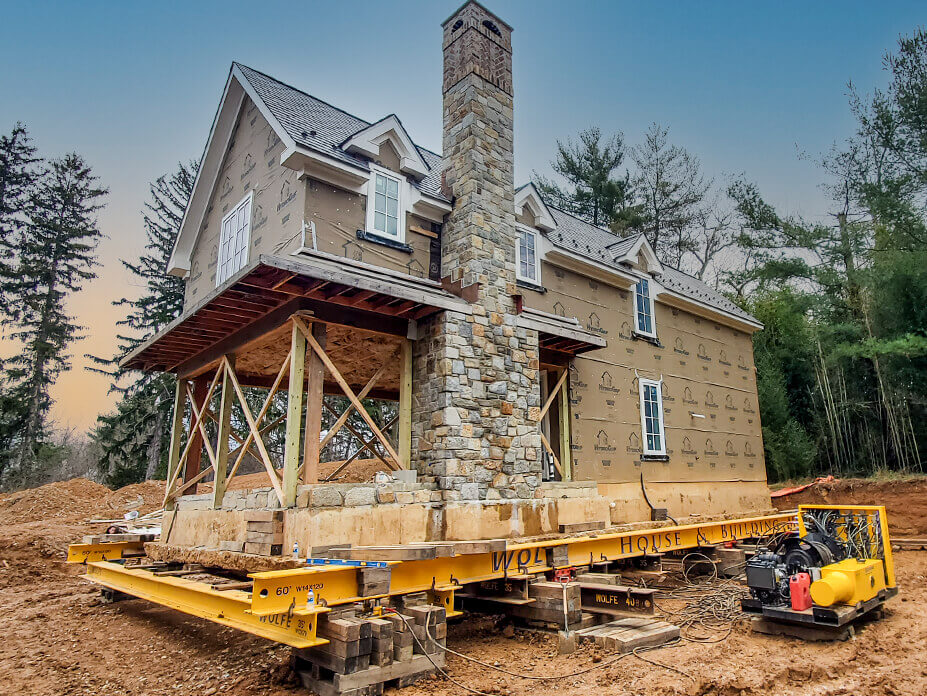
x=476 y=391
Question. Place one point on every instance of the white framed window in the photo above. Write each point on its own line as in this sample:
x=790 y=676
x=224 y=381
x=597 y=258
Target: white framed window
x=644 y=322
x=527 y=261
x=652 y=434
x=385 y=215
x=234 y=240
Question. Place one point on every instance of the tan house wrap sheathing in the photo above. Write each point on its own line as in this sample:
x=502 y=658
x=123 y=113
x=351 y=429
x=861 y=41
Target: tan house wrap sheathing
x=283 y=200
x=707 y=369
x=703 y=352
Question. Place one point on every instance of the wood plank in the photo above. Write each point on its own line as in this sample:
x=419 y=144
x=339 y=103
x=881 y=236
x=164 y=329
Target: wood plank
x=386 y=553
x=294 y=414
x=315 y=371
x=479 y=546
x=582 y=527
x=405 y=405
x=418 y=664
x=194 y=448
x=231 y=342
x=252 y=426
x=564 y=427
x=347 y=390
x=343 y=418
x=173 y=452
x=222 y=443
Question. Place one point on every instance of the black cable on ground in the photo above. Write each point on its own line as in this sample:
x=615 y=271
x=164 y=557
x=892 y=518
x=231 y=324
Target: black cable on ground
x=599 y=665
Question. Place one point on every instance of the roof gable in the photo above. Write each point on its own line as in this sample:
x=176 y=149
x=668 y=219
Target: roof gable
x=637 y=251
x=528 y=197
x=304 y=124
x=367 y=142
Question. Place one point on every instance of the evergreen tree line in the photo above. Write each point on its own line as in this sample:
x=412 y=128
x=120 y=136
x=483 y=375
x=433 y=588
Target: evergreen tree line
x=48 y=240
x=842 y=361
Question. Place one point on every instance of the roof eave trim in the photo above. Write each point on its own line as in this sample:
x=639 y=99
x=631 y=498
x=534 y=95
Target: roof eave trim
x=211 y=164
x=575 y=262
x=528 y=196
x=676 y=299
x=368 y=140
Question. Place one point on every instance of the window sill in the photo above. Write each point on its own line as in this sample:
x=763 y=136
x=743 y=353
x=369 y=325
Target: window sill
x=365 y=236
x=644 y=337
x=654 y=457
x=528 y=285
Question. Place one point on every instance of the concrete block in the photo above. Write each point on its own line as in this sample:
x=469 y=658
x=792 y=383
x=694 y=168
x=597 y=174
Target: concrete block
x=360 y=496
x=406 y=475
x=234 y=546
x=324 y=496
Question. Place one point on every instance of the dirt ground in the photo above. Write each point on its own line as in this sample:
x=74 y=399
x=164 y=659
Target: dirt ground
x=58 y=638
x=905 y=500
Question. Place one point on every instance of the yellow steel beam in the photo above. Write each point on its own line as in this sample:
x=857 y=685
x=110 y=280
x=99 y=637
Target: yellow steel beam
x=296 y=627
x=105 y=551
x=275 y=591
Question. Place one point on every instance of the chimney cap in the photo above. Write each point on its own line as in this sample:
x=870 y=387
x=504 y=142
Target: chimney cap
x=482 y=7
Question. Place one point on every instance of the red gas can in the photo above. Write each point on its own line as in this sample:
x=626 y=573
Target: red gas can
x=800 y=591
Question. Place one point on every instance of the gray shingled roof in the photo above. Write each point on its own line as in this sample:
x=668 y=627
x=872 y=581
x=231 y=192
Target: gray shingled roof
x=602 y=246
x=317 y=125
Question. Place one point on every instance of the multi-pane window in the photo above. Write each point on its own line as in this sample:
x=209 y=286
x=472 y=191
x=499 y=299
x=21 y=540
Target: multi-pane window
x=652 y=417
x=234 y=238
x=526 y=261
x=643 y=305
x=386 y=206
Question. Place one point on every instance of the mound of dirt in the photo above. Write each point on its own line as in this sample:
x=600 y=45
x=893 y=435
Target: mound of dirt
x=78 y=500
x=150 y=493
x=358 y=471
x=905 y=500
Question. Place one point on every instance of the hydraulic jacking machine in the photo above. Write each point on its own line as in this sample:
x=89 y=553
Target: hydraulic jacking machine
x=845 y=549
x=837 y=568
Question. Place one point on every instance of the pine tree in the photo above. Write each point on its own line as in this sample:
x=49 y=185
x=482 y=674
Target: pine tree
x=671 y=191
x=134 y=438
x=17 y=182
x=55 y=257
x=595 y=194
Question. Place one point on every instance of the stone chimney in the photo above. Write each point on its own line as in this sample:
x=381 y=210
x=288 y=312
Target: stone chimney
x=476 y=389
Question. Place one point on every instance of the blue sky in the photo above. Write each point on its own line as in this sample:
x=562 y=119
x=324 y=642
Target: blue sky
x=134 y=87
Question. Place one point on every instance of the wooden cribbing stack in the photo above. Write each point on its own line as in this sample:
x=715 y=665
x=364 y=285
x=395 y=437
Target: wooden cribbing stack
x=264 y=532
x=365 y=654
x=625 y=635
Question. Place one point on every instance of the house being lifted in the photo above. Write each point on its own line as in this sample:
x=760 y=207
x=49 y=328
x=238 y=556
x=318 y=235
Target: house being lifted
x=547 y=373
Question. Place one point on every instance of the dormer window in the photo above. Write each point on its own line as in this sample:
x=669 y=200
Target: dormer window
x=527 y=261
x=384 y=210
x=643 y=308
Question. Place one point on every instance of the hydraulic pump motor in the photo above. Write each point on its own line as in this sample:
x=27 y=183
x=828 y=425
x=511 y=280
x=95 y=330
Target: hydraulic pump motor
x=848 y=582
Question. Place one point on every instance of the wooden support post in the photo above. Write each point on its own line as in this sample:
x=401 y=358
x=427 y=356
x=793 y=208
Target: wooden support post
x=346 y=388
x=195 y=455
x=316 y=375
x=566 y=452
x=294 y=415
x=173 y=455
x=405 y=405
x=225 y=426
